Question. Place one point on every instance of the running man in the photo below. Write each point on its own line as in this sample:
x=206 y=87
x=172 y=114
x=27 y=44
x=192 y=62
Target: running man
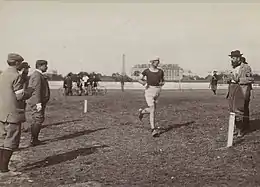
x=154 y=81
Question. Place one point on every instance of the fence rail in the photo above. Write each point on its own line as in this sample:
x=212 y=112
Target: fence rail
x=137 y=86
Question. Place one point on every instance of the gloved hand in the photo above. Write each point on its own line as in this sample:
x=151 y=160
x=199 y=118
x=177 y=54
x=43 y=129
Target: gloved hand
x=39 y=107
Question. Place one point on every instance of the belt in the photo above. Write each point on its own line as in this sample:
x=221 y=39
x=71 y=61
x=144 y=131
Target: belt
x=153 y=86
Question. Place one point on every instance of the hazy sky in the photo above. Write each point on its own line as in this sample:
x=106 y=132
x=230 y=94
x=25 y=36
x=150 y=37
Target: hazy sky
x=93 y=37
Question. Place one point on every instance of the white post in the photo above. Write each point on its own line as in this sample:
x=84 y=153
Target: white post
x=231 y=127
x=85 y=106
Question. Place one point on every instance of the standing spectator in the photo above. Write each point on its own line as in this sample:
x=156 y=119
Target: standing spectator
x=39 y=99
x=12 y=113
x=67 y=84
x=214 y=82
x=239 y=92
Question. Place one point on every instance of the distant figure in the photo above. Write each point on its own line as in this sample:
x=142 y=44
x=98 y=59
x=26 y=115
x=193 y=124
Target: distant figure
x=39 y=99
x=95 y=83
x=85 y=80
x=90 y=84
x=214 y=82
x=239 y=92
x=79 y=84
x=67 y=85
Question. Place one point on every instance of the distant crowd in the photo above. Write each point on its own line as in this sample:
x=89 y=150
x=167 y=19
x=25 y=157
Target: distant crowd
x=84 y=83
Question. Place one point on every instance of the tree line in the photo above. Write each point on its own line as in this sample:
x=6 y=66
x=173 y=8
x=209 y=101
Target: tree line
x=117 y=77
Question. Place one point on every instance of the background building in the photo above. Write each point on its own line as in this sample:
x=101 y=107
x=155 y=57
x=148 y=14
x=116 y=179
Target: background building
x=172 y=72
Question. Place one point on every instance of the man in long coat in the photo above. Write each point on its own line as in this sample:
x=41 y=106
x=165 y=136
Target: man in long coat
x=239 y=91
x=12 y=112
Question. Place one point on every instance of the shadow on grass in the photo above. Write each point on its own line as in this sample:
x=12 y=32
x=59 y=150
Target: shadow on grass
x=174 y=126
x=254 y=126
x=61 y=123
x=65 y=137
x=74 y=135
x=68 y=156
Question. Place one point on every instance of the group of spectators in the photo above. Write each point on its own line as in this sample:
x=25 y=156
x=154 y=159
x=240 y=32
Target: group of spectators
x=83 y=83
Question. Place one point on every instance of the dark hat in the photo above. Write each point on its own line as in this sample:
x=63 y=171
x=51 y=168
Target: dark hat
x=41 y=63
x=14 y=57
x=23 y=65
x=235 y=53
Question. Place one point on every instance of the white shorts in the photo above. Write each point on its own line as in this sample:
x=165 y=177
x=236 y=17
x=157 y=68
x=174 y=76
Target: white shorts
x=152 y=94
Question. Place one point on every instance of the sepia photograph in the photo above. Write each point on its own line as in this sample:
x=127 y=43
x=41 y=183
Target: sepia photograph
x=124 y=93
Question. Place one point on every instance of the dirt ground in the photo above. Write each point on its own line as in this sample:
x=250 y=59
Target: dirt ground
x=109 y=146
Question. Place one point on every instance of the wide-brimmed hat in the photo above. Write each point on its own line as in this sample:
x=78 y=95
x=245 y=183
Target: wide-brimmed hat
x=235 y=53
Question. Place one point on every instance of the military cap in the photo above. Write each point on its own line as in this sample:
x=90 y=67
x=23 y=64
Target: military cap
x=23 y=65
x=41 y=62
x=235 y=53
x=14 y=57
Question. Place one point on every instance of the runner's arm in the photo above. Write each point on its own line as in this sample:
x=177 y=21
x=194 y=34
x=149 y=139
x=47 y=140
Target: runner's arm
x=162 y=82
x=142 y=80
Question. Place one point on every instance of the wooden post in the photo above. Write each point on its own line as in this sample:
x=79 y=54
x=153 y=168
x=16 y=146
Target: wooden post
x=231 y=127
x=85 y=106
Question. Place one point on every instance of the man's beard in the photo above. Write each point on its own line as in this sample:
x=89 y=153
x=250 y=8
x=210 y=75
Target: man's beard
x=235 y=64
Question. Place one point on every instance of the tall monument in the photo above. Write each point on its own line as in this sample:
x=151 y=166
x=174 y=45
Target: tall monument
x=123 y=65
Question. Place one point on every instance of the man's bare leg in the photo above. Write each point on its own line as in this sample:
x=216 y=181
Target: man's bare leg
x=155 y=131
x=152 y=116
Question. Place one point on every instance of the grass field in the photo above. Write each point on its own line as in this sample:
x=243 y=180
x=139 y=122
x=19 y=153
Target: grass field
x=110 y=146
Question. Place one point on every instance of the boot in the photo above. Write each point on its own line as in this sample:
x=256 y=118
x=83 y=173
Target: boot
x=34 y=141
x=35 y=130
x=239 y=132
x=6 y=156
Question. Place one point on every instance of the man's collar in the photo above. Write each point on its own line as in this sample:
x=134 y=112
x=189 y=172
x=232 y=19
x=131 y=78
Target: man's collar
x=13 y=68
x=39 y=71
